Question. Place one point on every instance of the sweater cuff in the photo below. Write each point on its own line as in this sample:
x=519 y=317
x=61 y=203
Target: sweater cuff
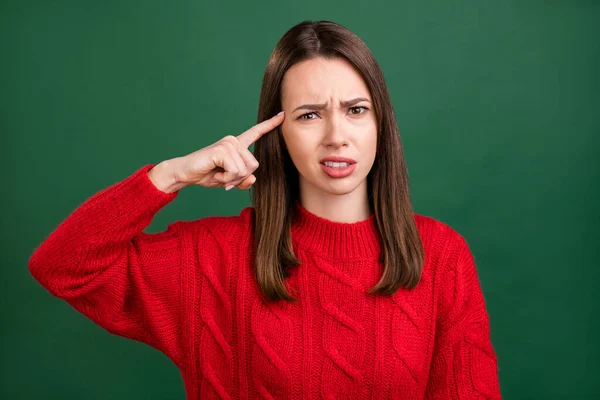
x=135 y=197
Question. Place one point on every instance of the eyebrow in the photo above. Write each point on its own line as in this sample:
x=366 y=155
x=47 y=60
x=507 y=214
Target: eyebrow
x=346 y=103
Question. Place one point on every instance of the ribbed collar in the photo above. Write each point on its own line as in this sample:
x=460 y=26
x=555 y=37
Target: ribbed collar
x=332 y=239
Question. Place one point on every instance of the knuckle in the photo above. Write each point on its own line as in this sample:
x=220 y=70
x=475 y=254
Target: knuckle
x=243 y=172
x=229 y=148
x=222 y=146
x=229 y=144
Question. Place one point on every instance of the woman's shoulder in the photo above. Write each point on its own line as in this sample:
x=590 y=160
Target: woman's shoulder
x=230 y=229
x=430 y=227
x=439 y=238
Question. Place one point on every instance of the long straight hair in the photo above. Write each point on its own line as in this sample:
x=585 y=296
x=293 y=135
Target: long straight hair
x=276 y=189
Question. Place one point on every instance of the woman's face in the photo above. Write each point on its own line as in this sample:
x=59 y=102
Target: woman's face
x=328 y=112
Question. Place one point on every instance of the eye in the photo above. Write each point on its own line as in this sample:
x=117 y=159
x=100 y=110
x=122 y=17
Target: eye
x=361 y=109
x=305 y=116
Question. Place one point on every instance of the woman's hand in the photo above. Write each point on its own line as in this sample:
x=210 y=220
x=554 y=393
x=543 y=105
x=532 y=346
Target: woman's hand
x=227 y=162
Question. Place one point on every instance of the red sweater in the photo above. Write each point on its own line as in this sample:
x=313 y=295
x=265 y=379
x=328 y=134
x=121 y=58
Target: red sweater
x=189 y=292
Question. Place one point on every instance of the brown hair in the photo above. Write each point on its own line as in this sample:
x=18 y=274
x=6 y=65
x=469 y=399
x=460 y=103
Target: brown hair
x=277 y=184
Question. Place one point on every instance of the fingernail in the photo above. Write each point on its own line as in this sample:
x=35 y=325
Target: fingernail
x=279 y=113
x=229 y=187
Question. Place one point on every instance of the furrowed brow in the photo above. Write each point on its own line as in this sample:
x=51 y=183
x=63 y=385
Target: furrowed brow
x=317 y=107
x=350 y=103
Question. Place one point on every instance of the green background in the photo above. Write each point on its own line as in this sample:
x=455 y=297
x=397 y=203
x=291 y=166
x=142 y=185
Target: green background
x=498 y=105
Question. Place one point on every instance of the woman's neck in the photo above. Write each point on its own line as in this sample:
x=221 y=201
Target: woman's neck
x=343 y=207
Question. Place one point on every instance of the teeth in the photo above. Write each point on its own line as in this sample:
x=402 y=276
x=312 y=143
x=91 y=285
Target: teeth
x=332 y=164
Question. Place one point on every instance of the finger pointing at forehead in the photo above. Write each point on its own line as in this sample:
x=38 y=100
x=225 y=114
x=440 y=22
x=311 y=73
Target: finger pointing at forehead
x=258 y=130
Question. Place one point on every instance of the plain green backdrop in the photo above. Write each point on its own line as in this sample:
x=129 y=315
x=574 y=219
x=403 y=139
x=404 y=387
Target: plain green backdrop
x=498 y=106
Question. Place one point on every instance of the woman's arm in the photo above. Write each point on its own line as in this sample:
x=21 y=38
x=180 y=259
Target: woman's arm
x=464 y=364
x=125 y=280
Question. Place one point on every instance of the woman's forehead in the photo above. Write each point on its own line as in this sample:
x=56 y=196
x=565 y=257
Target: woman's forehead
x=319 y=80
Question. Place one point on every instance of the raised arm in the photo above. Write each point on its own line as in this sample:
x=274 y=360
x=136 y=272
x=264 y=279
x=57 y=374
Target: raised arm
x=101 y=263
x=129 y=282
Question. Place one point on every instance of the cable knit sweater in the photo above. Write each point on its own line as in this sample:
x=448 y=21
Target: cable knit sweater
x=190 y=292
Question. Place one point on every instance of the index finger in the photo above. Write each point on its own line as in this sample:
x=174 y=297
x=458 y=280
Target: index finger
x=255 y=133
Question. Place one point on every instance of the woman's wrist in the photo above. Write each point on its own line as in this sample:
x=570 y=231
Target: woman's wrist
x=164 y=176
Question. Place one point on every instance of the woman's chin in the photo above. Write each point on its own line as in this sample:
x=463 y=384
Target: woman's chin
x=340 y=186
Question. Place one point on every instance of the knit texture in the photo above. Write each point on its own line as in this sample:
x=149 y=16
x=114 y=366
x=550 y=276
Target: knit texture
x=190 y=292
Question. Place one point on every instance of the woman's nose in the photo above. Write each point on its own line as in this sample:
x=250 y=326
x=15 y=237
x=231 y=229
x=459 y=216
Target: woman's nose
x=336 y=132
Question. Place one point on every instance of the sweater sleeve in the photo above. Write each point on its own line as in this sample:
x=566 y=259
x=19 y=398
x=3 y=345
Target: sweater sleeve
x=464 y=364
x=126 y=281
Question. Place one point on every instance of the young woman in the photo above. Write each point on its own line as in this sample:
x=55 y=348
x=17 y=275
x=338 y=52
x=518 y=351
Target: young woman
x=328 y=287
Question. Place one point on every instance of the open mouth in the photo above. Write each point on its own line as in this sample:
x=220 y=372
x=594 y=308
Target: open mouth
x=332 y=164
x=338 y=169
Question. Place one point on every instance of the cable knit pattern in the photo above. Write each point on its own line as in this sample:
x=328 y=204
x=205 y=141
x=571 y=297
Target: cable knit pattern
x=190 y=292
x=274 y=343
x=343 y=338
x=216 y=353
